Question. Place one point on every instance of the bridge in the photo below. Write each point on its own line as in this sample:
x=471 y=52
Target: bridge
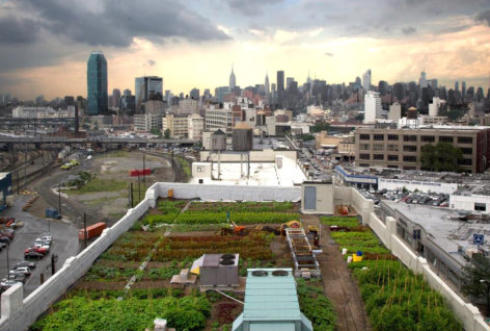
x=102 y=140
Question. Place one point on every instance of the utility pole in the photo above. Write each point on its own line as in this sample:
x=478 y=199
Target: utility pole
x=8 y=262
x=59 y=199
x=53 y=260
x=144 y=167
x=85 y=234
x=131 y=194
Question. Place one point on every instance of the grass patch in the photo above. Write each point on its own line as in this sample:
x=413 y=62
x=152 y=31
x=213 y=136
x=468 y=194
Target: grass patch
x=340 y=221
x=366 y=242
x=101 y=185
x=185 y=165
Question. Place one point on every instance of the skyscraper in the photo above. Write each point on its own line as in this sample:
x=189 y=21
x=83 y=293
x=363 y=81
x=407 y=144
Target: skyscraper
x=366 y=80
x=232 y=80
x=96 y=84
x=372 y=107
x=116 y=97
x=463 y=90
x=423 y=80
x=267 y=87
x=280 y=87
x=146 y=88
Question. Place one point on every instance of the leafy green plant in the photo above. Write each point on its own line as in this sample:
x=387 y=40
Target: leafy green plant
x=315 y=305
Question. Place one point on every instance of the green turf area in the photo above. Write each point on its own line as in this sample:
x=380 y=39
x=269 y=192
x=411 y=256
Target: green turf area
x=101 y=185
x=340 y=221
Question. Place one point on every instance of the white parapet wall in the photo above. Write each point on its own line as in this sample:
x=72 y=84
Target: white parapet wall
x=18 y=313
x=386 y=231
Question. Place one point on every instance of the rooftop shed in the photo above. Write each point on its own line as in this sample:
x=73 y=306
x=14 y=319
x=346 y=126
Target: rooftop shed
x=271 y=303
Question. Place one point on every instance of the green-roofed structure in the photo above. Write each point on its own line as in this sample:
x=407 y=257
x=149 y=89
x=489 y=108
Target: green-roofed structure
x=271 y=303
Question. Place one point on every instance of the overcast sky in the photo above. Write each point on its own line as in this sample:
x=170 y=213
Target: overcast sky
x=44 y=44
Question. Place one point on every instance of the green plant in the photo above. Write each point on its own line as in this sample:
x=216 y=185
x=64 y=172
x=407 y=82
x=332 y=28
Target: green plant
x=340 y=221
x=315 y=305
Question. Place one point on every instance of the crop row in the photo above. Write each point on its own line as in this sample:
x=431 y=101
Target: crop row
x=242 y=206
x=79 y=313
x=395 y=298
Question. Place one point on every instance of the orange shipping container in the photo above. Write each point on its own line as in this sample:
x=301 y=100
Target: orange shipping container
x=92 y=231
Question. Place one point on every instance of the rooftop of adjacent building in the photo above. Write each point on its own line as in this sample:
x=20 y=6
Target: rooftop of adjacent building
x=447 y=228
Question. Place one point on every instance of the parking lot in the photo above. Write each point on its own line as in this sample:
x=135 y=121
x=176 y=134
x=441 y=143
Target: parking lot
x=65 y=243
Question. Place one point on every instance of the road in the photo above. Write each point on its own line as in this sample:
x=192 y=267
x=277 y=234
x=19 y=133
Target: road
x=65 y=243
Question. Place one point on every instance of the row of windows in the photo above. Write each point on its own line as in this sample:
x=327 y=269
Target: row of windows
x=406 y=158
x=413 y=138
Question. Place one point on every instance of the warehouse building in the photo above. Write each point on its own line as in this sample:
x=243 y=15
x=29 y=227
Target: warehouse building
x=402 y=148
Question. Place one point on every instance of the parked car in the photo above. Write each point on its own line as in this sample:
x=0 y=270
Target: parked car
x=40 y=250
x=4 y=239
x=30 y=265
x=25 y=270
x=33 y=255
x=17 y=276
x=5 y=284
x=42 y=244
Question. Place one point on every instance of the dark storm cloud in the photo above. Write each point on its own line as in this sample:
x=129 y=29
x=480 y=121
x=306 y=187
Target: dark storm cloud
x=17 y=31
x=484 y=16
x=117 y=22
x=251 y=7
x=409 y=30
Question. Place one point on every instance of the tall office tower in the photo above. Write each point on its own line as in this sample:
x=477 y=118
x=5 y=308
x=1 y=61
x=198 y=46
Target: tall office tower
x=366 y=80
x=194 y=94
x=116 y=97
x=267 y=87
x=280 y=87
x=96 y=84
x=463 y=89
x=456 y=86
x=168 y=96
x=146 y=88
x=372 y=107
x=289 y=81
x=232 y=80
x=423 y=80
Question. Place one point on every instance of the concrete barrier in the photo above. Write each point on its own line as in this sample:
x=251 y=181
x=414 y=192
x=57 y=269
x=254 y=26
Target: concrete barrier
x=386 y=232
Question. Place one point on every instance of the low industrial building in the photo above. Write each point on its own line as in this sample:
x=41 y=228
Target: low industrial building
x=474 y=198
x=401 y=148
x=271 y=303
x=445 y=237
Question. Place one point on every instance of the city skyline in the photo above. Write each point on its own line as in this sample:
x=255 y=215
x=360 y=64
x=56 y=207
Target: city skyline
x=449 y=40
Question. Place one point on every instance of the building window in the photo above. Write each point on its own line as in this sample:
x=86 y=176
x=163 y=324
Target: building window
x=409 y=138
x=364 y=165
x=467 y=150
x=480 y=206
x=409 y=158
x=392 y=137
x=378 y=157
x=364 y=156
x=409 y=148
x=466 y=162
x=379 y=137
x=378 y=147
x=409 y=168
x=393 y=148
x=364 y=137
x=391 y=166
x=428 y=139
x=364 y=147
x=392 y=157
x=465 y=140
x=446 y=139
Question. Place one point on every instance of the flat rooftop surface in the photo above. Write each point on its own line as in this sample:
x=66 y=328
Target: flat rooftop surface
x=443 y=226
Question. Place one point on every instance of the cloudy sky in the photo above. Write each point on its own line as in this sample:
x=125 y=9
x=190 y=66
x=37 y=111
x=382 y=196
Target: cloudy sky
x=44 y=44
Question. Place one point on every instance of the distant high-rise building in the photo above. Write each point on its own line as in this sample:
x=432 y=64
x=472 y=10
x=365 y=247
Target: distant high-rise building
x=372 y=107
x=96 y=84
x=168 y=96
x=127 y=101
x=366 y=80
x=456 y=86
x=289 y=81
x=423 y=80
x=194 y=94
x=147 y=88
x=267 y=87
x=280 y=87
x=433 y=84
x=232 y=80
x=463 y=89
x=116 y=98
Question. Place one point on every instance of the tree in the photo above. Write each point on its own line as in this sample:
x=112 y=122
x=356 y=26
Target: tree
x=166 y=134
x=156 y=132
x=441 y=157
x=476 y=281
